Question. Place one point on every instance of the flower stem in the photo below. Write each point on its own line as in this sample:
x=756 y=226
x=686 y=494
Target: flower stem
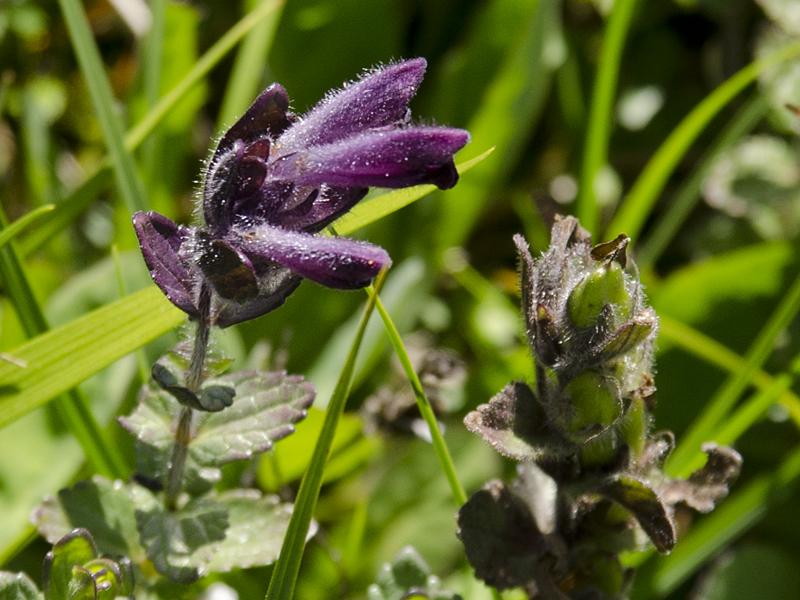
x=194 y=378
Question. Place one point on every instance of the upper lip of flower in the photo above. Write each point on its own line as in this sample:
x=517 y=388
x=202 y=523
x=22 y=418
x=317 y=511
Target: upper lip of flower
x=274 y=180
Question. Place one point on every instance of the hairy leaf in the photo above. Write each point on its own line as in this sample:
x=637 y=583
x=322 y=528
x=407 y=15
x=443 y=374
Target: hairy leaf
x=103 y=507
x=17 y=586
x=514 y=424
x=650 y=511
x=408 y=576
x=501 y=539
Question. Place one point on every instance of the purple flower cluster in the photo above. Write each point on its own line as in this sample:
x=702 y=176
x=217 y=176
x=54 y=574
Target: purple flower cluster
x=276 y=180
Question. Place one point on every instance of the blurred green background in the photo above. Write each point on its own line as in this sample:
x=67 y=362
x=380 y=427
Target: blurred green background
x=717 y=243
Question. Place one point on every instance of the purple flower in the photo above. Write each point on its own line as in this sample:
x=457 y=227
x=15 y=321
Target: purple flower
x=276 y=180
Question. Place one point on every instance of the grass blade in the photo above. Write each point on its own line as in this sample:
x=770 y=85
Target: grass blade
x=650 y=184
x=63 y=357
x=601 y=111
x=687 y=454
x=688 y=194
x=13 y=230
x=128 y=181
x=284 y=575
x=717 y=354
x=72 y=206
x=423 y=404
x=248 y=69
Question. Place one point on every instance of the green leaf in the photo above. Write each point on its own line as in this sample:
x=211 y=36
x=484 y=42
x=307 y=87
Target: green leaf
x=63 y=357
x=408 y=576
x=17 y=586
x=171 y=538
x=256 y=527
x=265 y=408
x=104 y=508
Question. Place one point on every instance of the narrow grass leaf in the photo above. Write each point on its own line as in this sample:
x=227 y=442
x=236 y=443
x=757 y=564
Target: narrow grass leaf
x=248 y=68
x=650 y=184
x=80 y=198
x=706 y=423
x=685 y=199
x=601 y=111
x=13 y=230
x=423 y=404
x=63 y=357
x=128 y=181
x=284 y=575
x=708 y=349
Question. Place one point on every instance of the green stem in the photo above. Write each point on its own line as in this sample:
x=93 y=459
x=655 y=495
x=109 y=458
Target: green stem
x=284 y=575
x=193 y=381
x=601 y=116
x=688 y=194
x=648 y=187
x=423 y=404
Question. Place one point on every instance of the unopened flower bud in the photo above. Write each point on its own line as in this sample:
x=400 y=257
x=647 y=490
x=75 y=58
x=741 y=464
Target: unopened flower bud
x=594 y=403
x=603 y=287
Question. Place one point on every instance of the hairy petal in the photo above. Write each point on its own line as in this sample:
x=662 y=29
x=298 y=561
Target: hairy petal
x=334 y=262
x=379 y=99
x=160 y=241
x=326 y=207
x=267 y=114
x=392 y=159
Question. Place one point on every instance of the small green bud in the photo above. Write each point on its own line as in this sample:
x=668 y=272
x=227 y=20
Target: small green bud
x=593 y=401
x=602 y=287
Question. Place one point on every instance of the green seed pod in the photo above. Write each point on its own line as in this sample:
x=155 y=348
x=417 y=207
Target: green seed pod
x=594 y=402
x=604 y=286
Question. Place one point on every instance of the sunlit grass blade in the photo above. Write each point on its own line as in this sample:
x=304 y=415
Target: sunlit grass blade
x=423 y=404
x=73 y=408
x=127 y=178
x=720 y=355
x=63 y=357
x=703 y=427
x=381 y=205
x=648 y=187
x=509 y=110
x=284 y=575
x=737 y=514
x=13 y=230
x=152 y=56
x=80 y=198
x=248 y=68
x=685 y=199
x=601 y=110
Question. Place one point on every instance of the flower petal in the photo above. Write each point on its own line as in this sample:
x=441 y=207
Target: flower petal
x=334 y=262
x=268 y=114
x=379 y=99
x=393 y=159
x=330 y=203
x=160 y=240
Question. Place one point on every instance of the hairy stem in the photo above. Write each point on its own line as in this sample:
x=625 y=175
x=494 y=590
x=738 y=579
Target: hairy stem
x=194 y=378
